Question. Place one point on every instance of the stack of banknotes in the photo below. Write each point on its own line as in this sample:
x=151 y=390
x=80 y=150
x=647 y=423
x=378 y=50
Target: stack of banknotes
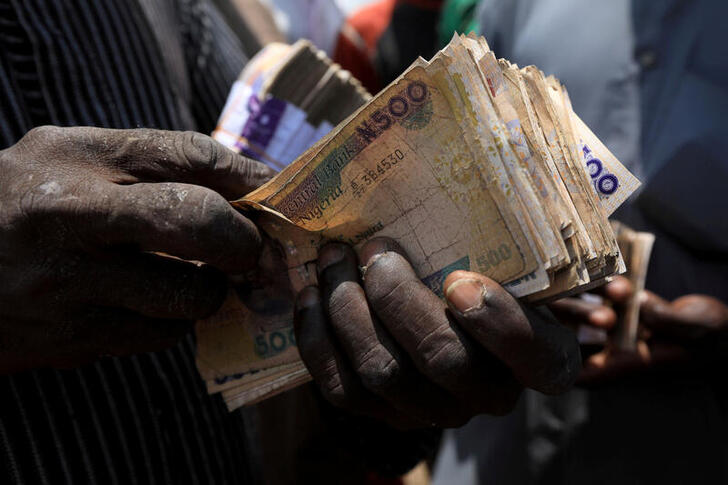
x=469 y=162
x=285 y=100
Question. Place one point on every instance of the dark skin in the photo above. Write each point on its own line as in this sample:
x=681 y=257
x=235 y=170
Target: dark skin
x=670 y=330
x=386 y=346
x=81 y=212
x=86 y=212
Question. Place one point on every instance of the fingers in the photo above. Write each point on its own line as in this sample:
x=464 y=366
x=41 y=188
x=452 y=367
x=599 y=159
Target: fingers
x=618 y=291
x=542 y=354
x=318 y=352
x=186 y=221
x=117 y=206
x=375 y=358
x=144 y=155
x=419 y=322
x=656 y=311
x=364 y=343
x=609 y=365
x=576 y=311
x=330 y=370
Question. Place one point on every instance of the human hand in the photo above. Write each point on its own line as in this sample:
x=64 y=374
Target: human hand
x=669 y=330
x=81 y=210
x=388 y=347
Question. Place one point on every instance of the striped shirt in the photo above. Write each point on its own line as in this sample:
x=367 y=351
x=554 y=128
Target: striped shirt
x=164 y=64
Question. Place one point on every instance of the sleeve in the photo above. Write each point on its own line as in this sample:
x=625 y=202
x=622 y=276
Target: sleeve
x=214 y=57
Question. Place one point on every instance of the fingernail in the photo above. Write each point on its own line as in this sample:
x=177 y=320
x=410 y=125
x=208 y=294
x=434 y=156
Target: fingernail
x=466 y=294
x=643 y=297
x=373 y=249
x=370 y=263
x=329 y=256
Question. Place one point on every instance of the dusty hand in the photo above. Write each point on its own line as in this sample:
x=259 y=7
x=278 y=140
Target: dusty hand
x=80 y=211
x=389 y=347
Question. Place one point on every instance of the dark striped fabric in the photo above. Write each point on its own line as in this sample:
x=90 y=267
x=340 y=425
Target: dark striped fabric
x=116 y=63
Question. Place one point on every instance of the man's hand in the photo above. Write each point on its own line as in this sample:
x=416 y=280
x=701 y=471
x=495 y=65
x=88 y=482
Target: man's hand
x=390 y=348
x=669 y=330
x=82 y=210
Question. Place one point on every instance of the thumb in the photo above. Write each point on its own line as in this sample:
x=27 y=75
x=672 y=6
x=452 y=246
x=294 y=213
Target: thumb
x=541 y=353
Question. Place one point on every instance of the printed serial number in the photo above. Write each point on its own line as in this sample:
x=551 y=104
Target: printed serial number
x=371 y=175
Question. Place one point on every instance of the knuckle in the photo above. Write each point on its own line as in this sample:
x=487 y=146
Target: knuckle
x=246 y=168
x=335 y=394
x=201 y=151
x=247 y=172
x=197 y=208
x=448 y=362
x=214 y=210
x=331 y=386
x=218 y=220
x=41 y=140
x=43 y=134
x=146 y=135
x=379 y=374
x=343 y=302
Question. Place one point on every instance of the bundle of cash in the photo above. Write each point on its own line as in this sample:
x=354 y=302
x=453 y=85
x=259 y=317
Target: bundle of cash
x=468 y=162
x=285 y=100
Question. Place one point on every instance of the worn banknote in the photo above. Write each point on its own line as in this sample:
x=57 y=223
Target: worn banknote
x=468 y=162
x=636 y=246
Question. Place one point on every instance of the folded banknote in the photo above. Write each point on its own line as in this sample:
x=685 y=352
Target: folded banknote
x=636 y=246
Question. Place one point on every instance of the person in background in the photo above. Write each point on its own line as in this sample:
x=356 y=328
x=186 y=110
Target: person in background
x=380 y=40
x=651 y=80
x=457 y=16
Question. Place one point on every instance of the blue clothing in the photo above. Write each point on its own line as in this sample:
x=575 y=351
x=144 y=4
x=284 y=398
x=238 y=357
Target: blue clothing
x=651 y=79
x=685 y=135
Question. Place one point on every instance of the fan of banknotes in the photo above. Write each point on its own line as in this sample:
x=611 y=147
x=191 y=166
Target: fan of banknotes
x=468 y=161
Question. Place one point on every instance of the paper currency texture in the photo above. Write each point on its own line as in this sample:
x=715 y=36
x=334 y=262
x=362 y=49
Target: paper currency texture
x=467 y=161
